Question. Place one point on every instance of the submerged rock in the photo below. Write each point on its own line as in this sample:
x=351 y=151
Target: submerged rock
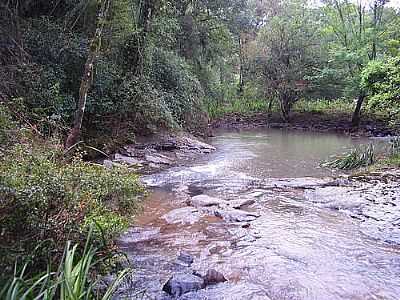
x=183 y=215
x=205 y=200
x=234 y=215
x=180 y=284
x=240 y=203
x=213 y=277
x=185 y=258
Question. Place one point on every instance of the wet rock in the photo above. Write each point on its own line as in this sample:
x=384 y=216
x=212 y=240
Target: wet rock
x=185 y=258
x=257 y=194
x=108 y=164
x=158 y=159
x=184 y=215
x=180 y=284
x=135 y=235
x=127 y=160
x=167 y=145
x=213 y=277
x=161 y=296
x=235 y=215
x=198 y=295
x=204 y=201
x=240 y=203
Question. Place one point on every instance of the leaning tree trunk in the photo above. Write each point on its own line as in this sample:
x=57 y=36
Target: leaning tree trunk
x=86 y=81
x=355 y=122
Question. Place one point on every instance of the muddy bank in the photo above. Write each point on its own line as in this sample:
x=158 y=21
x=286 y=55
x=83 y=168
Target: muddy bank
x=158 y=152
x=317 y=122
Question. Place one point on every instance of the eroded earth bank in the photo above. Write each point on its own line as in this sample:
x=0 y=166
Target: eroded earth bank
x=258 y=219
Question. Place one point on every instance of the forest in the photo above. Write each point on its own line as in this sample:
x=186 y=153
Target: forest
x=79 y=79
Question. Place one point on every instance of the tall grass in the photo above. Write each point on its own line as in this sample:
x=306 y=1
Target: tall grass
x=356 y=158
x=238 y=105
x=72 y=281
x=324 y=106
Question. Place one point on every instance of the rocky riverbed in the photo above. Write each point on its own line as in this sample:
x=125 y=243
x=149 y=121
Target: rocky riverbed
x=159 y=152
x=217 y=229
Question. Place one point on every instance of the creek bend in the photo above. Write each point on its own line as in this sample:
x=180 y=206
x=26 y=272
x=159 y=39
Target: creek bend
x=307 y=236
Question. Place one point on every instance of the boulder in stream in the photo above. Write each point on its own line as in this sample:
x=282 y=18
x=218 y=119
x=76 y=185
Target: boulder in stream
x=205 y=200
x=213 y=277
x=183 y=215
x=180 y=284
x=235 y=215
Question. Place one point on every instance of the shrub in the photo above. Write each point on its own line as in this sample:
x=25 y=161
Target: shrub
x=45 y=200
x=382 y=80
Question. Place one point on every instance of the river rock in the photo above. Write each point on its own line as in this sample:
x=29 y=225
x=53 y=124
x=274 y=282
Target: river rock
x=185 y=258
x=180 y=284
x=234 y=215
x=158 y=159
x=127 y=160
x=240 y=203
x=183 y=215
x=213 y=277
x=204 y=201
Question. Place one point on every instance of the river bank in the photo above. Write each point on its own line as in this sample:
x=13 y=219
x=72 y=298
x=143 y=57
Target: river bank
x=370 y=126
x=235 y=215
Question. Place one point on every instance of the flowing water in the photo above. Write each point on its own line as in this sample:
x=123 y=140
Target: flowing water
x=298 y=247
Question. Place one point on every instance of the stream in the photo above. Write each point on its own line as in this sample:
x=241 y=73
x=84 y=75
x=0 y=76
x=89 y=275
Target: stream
x=276 y=225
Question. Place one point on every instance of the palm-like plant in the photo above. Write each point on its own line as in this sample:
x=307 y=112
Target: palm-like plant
x=71 y=282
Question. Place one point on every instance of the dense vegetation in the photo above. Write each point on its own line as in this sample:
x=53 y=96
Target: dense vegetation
x=82 y=77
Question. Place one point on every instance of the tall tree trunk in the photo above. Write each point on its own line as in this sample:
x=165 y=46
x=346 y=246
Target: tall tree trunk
x=86 y=81
x=355 y=122
x=286 y=105
x=241 y=62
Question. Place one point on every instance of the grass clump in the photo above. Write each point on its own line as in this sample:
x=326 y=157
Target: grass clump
x=46 y=200
x=73 y=280
x=356 y=158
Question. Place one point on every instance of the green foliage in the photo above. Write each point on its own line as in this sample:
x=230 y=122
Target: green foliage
x=289 y=52
x=182 y=90
x=381 y=79
x=7 y=125
x=357 y=158
x=72 y=280
x=341 y=105
x=44 y=198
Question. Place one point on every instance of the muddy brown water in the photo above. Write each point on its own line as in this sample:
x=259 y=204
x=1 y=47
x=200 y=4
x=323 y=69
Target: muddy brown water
x=296 y=249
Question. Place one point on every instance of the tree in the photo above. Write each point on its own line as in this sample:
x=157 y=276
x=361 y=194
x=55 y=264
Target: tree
x=288 y=53
x=356 y=32
x=87 y=76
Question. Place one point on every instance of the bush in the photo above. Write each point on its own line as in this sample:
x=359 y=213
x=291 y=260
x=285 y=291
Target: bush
x=48 y=200
x=183 y=92
x=382 y=80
